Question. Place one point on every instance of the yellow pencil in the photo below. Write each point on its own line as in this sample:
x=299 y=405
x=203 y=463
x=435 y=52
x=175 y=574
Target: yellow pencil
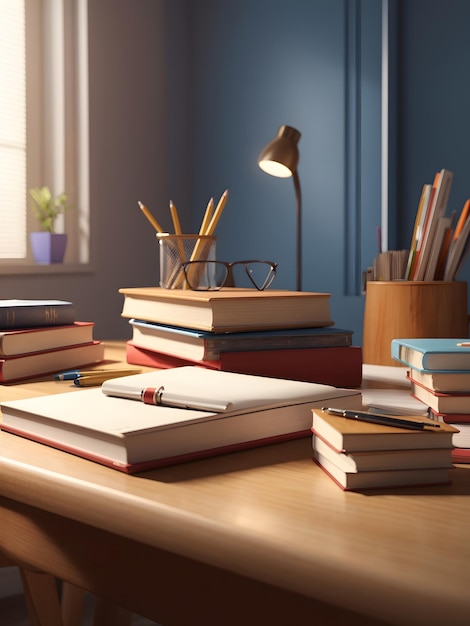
x=175 y=218
x=150 y=218
x=177 y=225
x=72 y=374
x=98 y=378
x=217 y=213
x=207 y=217
x=201 y=244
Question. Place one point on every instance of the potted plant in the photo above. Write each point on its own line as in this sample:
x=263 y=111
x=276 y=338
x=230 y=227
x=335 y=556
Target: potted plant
x=47 y=245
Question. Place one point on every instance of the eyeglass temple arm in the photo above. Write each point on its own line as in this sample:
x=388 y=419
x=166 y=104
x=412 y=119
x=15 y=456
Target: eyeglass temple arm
x=229 y=281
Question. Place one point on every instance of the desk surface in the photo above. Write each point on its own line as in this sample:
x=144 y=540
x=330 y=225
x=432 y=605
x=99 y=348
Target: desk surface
x=268 y=517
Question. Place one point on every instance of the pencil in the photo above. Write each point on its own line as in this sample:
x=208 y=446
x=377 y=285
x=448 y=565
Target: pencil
x=175 y=218
x=177 y=225
x=209 y=230
x=207 y=217
x=98 y=378
x=72 y=374
x=150 y=218
x=217 y=213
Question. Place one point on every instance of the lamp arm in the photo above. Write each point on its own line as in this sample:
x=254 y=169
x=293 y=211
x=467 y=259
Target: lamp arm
x=298 y=196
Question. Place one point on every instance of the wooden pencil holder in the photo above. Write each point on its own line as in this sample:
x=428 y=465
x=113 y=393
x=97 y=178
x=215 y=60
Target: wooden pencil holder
x=410 y=309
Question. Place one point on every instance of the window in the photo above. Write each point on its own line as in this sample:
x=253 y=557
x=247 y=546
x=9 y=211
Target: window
x=12 y=129
x=43 y=120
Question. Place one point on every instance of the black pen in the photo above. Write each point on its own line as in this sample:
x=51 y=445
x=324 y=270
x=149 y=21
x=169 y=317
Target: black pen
x=377 y=418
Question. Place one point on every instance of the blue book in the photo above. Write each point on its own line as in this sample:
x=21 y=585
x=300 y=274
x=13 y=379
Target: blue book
x=433 y=354
x=203 y=345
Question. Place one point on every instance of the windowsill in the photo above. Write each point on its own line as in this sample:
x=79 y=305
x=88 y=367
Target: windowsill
x=53 y=268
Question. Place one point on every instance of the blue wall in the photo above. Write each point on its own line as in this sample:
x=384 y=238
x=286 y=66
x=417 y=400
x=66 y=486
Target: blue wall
x=434 y=118
x=253 y=65
x=315 y=64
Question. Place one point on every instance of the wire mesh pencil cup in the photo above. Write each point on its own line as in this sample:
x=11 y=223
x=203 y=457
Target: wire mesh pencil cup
x=178 y=249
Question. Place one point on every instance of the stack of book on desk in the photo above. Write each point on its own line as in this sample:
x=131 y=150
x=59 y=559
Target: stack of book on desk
x=439 y=373
x=39 y=337
x=276 y=333
x=363 y=455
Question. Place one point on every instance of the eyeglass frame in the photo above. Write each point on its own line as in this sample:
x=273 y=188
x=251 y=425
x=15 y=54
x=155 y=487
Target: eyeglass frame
x=228 y=266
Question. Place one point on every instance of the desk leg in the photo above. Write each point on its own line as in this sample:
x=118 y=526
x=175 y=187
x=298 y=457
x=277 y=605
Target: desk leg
x=42 y=598
x=5 y=562
x=107 y=614
x=72 y=604
x=104 y=614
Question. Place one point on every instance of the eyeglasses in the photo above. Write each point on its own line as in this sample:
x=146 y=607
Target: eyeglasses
x=213 y=275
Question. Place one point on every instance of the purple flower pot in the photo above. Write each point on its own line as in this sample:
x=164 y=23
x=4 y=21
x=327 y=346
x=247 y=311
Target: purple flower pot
x=48 y=247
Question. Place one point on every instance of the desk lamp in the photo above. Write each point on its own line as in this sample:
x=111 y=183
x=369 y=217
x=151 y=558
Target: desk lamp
x=280 y=158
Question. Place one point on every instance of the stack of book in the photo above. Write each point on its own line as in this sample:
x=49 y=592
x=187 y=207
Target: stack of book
x=39 y=337
x=364 y=455
x=275 y=333
x=439 y=373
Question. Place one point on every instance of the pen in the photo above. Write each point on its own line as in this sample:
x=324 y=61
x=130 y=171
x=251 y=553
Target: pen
x=73 y=374
x=157 y=396
x=377 y=418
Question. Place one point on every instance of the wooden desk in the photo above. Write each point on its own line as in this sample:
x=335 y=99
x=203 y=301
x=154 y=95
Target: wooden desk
x=256 y=537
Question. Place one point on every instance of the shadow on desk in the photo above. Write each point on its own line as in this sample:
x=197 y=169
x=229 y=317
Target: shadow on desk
x=298 y=453
x=288 y=451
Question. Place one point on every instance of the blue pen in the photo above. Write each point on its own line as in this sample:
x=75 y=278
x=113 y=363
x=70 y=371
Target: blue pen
x=67 y=375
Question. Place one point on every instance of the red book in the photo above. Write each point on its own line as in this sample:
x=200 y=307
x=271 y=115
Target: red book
x=36 y=339
x=47 y=362
x=451 y=418
x=339 y=367
x=461 y=455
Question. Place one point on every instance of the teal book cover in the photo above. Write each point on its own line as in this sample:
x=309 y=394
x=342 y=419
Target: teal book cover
x=433 y=354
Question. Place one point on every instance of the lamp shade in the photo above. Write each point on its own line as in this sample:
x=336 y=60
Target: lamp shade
x=281 y=155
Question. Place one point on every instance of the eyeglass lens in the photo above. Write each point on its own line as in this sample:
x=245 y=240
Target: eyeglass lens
x=205 y=275
x=259 y=273
x=213 y=275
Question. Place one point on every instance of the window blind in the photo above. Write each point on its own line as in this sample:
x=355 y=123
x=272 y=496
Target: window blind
x=12 y=129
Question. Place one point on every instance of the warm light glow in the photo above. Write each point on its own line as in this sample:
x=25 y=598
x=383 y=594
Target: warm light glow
x=275 y=169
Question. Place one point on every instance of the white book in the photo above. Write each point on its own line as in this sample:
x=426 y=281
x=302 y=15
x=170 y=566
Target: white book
x=393 y=402
x=384 y=460
x=382 y=478
x=130 y=435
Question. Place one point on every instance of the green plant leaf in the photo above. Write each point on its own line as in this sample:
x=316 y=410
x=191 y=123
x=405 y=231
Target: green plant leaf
x=46 y=207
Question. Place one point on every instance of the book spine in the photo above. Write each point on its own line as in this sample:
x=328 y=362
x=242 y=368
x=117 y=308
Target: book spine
x=339 y=367
x=36 y=315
